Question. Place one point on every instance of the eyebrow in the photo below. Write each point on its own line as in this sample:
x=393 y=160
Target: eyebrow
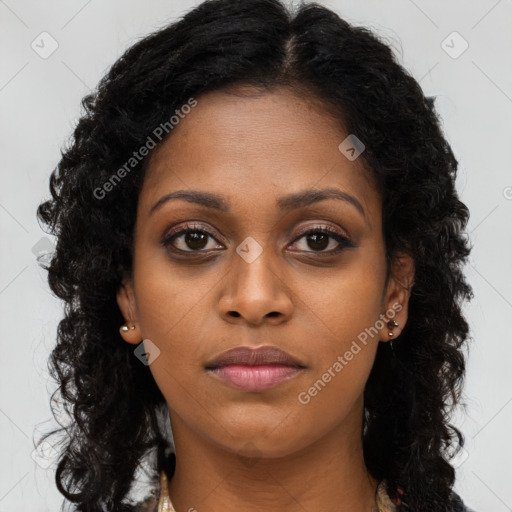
x=285 y=203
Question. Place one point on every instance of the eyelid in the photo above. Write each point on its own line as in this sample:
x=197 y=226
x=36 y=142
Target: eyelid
x=315 y=228
x=192 y=225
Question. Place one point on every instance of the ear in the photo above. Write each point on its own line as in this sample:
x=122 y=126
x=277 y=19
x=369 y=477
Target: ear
x=397 y=294
x=128 y=307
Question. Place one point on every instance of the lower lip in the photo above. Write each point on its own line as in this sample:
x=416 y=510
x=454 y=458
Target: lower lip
x=255 y=378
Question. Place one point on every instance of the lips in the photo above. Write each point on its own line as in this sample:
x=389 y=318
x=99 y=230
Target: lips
x=247 y=356
x=254 y=370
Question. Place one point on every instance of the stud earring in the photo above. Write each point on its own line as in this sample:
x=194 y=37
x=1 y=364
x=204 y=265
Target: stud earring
x=126 y=328
x=391 y=325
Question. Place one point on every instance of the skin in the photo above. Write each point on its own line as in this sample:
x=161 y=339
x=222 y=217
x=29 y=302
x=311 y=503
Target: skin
x=254 y=451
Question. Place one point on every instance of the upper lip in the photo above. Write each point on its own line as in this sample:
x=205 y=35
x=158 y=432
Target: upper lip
x=265 y=355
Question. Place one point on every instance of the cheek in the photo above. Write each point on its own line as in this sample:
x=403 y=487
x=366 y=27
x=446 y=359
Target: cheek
x=344 y=303
x=344 y=351
x=177 y=313
x=341 y=319
x=167 y=298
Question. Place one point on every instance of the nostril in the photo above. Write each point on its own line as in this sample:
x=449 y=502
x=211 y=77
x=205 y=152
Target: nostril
x=234 y=313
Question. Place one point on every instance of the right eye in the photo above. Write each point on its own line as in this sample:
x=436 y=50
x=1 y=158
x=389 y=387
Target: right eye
x=192 y=238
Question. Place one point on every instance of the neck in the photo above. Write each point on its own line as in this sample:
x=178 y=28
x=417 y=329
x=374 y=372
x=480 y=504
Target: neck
x=328 y=474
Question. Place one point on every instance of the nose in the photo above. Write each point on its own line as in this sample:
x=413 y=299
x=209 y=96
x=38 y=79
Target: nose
x=255 y=292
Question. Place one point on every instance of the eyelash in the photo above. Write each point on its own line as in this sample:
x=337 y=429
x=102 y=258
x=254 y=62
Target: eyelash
x=194 y=228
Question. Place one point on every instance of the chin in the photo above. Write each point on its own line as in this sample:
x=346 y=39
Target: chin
x=267 y=443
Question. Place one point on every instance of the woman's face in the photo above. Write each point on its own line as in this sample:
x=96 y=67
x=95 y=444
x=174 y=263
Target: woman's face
x=246 y=275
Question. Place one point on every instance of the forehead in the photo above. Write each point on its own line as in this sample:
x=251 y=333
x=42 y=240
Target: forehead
x=248 y=141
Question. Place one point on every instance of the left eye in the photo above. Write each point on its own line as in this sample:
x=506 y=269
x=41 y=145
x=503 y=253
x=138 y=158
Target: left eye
x=320 y=239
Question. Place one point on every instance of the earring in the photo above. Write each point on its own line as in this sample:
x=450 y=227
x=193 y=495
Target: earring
x=126 y=328
x=391 y=325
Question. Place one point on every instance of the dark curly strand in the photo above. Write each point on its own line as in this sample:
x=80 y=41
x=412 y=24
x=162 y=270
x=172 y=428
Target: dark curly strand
x=111 y=397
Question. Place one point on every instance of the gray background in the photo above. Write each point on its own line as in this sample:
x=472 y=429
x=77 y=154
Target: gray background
x=39 y=102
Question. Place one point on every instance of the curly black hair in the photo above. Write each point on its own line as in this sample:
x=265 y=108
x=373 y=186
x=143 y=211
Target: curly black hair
x=113 y=400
